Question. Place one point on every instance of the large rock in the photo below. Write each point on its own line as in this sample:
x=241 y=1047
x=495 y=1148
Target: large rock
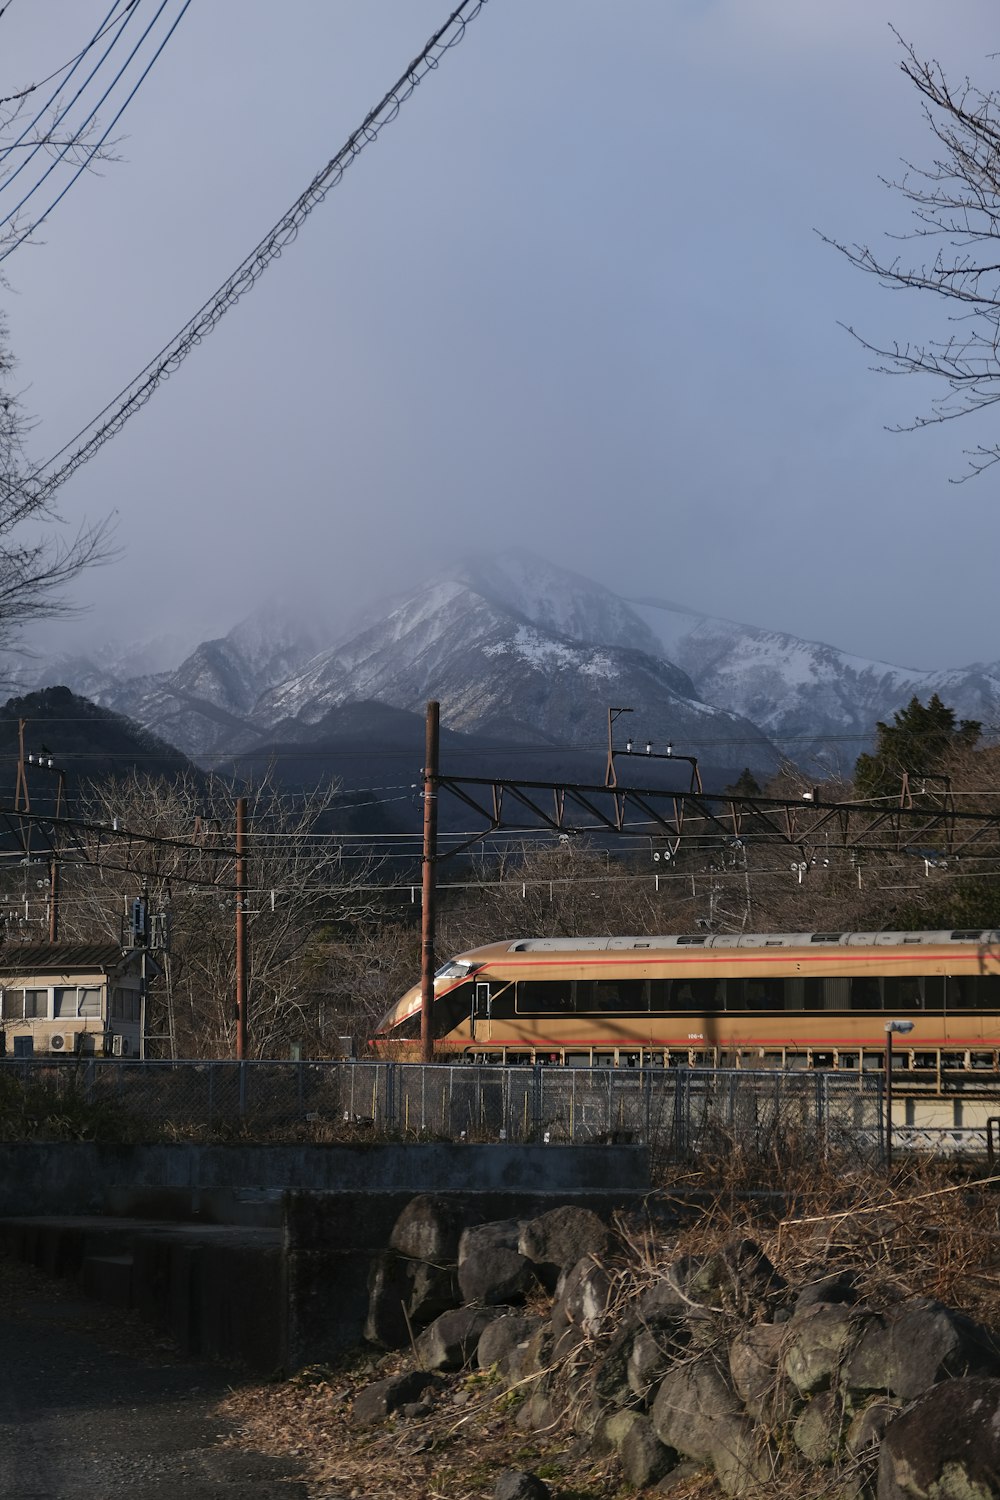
x=819 y=1428
x=644 y=1458
x=756 y=1369
x=498 y=1234
x=739 y=1277
x=672 y=1295
x=817 y=1344
x=946 y=1446
x=650 y=1357
x=556 y=1240
x=451 y=1341
x=429 y=1228
x=582 y=1297
x=611 y=1385
x=836 y=1286
x=390 y=1284
x=868 y=1425
x=495 y=1276
x=383 y=1397
x=520 y=1484
x=697 y=1412
x=913 y=1345
x=502 y=1337
x=433 y=1290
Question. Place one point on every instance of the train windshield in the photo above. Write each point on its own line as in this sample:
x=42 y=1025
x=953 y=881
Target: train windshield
x=455 y=968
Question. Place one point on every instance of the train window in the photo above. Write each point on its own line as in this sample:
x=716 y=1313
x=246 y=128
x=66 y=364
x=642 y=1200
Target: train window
x=934 y=991
x=905 y=993
x=866 y=994
x=826 y=937
x=455 y=968
x=812 y=994
x=659 y=995
x=755 y=994
x=697 y=994
x=544 y=996
x=611 y=995
x=973 y=992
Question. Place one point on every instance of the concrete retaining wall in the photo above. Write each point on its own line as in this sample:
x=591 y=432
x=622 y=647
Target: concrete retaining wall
x=234 y=1184
x=261 y=1254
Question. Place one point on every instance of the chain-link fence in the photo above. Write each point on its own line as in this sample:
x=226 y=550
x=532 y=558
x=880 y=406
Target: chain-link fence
x=676 y=1111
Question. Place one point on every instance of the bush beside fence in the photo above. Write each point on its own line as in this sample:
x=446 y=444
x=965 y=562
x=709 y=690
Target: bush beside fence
x=677 y=1112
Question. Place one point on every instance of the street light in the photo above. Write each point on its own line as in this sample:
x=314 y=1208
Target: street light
x=900 y=1028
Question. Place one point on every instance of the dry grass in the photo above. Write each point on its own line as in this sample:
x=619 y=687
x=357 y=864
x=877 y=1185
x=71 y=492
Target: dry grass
x=932 y=1231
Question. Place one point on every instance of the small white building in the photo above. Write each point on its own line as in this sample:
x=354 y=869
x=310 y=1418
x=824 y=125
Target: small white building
x=61 y=998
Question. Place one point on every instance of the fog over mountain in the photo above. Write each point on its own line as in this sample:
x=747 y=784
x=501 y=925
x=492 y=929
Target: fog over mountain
x=521 y=651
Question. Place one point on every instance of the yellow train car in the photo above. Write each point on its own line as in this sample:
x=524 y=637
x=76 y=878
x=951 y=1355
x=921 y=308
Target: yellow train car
x=794 y=1000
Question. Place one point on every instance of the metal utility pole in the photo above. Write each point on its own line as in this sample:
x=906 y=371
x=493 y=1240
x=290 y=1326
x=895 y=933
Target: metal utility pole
x=241 y=929
x=429 y=871
x=54 y=898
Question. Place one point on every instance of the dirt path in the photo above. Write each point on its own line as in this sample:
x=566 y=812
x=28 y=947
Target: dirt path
x=92 y=1408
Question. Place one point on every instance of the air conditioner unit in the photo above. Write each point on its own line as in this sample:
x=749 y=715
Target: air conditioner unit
x=57 y=1042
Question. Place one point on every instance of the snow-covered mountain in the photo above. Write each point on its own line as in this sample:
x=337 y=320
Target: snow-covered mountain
x=518 y=649
x=811 y=699
x=200 y=705
x=498 y=672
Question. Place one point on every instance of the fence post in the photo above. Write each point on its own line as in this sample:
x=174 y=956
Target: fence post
x=536 y=1099
x=678 y=1117
x=243 y=1089
x=390 y=1095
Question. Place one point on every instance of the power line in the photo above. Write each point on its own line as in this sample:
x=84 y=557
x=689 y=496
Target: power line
x=109 y=421
x=74 y=63
x=106 y=26
x=92 y=150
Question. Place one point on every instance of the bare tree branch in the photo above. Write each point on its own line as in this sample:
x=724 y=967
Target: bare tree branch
x=954 y=203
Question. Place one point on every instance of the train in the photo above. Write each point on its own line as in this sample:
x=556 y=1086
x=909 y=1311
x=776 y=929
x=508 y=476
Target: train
x=803 y=1000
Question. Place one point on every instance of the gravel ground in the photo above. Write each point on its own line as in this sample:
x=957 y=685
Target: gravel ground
x=92 y=1407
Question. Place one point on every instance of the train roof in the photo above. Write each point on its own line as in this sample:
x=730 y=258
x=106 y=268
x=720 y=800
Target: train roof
x=976 y=936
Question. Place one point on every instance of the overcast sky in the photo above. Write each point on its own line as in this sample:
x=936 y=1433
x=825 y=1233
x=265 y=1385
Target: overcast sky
x=572 y=300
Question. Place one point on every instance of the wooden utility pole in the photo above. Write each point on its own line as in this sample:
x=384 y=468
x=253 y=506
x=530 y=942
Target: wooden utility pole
x=429 y=874
x=241 y=929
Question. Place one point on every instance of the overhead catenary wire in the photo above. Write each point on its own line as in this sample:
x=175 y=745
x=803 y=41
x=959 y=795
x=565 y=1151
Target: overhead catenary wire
x=112 y=417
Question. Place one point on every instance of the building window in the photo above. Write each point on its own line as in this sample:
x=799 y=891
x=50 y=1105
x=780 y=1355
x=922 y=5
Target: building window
x=64 y=1002
x=36 y=1005
x=90 y=1000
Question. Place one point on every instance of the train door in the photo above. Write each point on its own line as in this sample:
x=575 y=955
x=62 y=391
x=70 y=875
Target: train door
x=481 y=1011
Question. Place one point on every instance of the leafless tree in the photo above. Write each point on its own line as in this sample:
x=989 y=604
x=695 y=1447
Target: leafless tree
x=301 y=896
x=955 y=221
x=37 y=561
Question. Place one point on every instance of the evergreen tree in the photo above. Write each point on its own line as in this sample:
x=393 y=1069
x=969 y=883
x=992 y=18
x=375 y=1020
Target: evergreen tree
x=917 y=741
x=745 y=785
